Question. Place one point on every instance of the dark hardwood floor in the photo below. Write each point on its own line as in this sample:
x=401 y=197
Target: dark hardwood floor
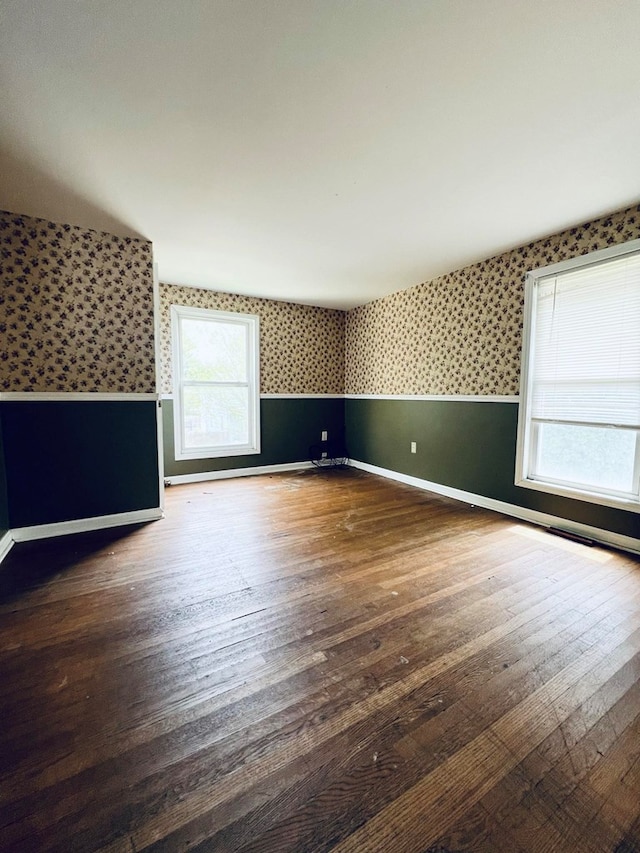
x=319 y=661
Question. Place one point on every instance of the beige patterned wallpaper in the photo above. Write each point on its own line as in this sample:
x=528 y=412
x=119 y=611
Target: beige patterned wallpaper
x=301 y=347
x=461 y=333
x=76 y=314
x=76 y=309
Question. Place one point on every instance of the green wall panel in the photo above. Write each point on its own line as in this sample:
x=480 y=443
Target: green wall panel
x=464 y=444
x=77 y=459
x=4 y=502
x=289 y=426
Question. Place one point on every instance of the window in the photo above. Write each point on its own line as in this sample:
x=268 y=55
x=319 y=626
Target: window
x=216 y=383
x=579 y=423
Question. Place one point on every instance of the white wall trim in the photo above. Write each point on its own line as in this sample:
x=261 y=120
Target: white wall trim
x=72 y=396
x=82 y=525
x=285 y=396
x=301 y=396
x=6 y=544
x=452 y=398
x=617 y=540
x=228 y=473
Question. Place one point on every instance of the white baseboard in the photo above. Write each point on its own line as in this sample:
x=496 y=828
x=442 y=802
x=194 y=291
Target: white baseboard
x=82 y=525
x=6 y=544
x=606 y=537
x=179 y=479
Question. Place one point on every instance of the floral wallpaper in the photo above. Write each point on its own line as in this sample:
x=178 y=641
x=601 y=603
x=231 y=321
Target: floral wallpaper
x=461 y=333
x=76 y=314
x=301 y=346
x=76 y=309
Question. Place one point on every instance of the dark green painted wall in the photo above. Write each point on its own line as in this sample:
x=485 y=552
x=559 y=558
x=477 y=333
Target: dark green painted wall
x=4 y=503
x=289 y=426
x=69 y=460
x=466 y=445
x=73 y=460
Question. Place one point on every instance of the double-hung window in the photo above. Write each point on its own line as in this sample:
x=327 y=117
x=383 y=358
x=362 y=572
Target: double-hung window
x=579 y=419
x=216 y=383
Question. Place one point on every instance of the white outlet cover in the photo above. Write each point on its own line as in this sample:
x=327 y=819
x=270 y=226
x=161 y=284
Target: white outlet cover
x=324 y=435
x=414 y=447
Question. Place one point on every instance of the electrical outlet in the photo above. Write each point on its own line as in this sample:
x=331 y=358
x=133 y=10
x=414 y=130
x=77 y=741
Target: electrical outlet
x=414 y=447
x=324 y=435
x=324 y=454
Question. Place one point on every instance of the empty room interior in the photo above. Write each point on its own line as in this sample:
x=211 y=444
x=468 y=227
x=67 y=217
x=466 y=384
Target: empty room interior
x=320 y=426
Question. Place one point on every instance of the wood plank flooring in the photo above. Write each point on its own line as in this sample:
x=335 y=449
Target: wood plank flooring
x=319 y=661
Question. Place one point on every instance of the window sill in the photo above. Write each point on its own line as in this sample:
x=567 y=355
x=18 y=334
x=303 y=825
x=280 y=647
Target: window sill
x=627 y=504
x=216 y=453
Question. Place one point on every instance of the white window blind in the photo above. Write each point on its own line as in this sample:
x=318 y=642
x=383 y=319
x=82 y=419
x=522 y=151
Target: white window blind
x=586 y=345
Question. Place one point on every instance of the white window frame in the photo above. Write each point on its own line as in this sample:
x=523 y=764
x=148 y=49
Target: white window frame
x=525 y=440
x=252 y=324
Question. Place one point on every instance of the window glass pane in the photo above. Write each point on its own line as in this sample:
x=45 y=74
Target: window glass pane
x=214 y=351
x=594 y=457
x=215 y=416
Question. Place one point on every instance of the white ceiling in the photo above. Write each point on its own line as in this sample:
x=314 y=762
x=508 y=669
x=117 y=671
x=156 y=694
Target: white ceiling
x=320 y=151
